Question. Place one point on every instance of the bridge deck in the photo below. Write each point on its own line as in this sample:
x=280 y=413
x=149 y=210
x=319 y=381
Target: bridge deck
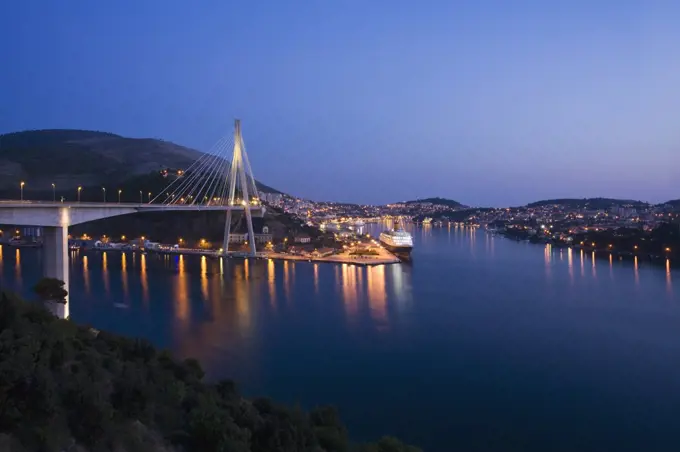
x=124 y=205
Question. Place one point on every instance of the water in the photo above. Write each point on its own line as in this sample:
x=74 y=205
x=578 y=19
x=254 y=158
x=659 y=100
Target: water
x=480 y=344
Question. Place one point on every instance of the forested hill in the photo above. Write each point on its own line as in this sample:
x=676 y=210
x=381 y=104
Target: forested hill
x=72 y=158
x=590 y=203
x=439 y=201
x=673 y=202
x=66 y=387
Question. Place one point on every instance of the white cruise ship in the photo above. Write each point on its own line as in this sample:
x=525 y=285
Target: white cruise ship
x=397 y=240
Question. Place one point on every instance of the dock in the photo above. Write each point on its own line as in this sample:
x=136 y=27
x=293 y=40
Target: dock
x=382 y=258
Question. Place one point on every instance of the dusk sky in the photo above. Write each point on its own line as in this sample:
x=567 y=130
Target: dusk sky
x=488 y=102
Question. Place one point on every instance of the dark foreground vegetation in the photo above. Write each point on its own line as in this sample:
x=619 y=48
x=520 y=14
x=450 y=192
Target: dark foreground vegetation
x=67 y=387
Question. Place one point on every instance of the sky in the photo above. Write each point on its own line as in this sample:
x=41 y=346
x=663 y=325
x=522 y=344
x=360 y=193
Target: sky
x=488 y=102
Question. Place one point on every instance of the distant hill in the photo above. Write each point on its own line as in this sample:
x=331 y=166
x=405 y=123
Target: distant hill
x=591 y=203
x=672 y=202
x=440 y=201
x=69 y=158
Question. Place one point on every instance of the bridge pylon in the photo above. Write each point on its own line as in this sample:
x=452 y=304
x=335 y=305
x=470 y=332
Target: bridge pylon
x=217 y=182
x=241 y=183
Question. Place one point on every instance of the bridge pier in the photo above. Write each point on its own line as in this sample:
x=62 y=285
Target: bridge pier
x=55 y=262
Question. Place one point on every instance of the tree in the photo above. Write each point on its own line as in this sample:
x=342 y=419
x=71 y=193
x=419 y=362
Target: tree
x=388 y=444
x=51 y=289
x=63 y=388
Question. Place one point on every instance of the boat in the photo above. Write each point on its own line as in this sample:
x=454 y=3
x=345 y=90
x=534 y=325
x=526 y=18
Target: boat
x=427 y=220
x=359 y=223
x=397 y=240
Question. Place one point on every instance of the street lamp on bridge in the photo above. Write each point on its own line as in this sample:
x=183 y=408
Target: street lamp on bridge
x=54 y=193
x=149 y=197
x=119 y=192
x=21 y=186
x=104 y=192
x=141 y=201
x=79 y=190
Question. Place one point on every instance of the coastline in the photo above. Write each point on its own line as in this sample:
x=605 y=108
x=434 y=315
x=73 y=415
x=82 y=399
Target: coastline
x=654 y=258
x=383 y=258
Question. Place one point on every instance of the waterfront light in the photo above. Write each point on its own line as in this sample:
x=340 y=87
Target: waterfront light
x=54 y=192
x=122 y=237
x=79 y=190
x=119 y=192
x=21 y=186
x=668 y=250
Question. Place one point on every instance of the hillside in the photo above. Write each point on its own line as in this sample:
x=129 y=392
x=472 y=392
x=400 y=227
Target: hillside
x=67 y=387
x=591 y=203
x=438 y=201
x=72 y=158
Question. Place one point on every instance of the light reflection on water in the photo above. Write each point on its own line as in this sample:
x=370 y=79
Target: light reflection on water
x=314 y=332
x=243 y=278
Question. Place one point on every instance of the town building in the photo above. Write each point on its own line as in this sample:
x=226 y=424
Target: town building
x=302 y=238
x=261 y=230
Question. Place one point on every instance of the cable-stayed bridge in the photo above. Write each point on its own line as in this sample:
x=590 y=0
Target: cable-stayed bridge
x=214 y=182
